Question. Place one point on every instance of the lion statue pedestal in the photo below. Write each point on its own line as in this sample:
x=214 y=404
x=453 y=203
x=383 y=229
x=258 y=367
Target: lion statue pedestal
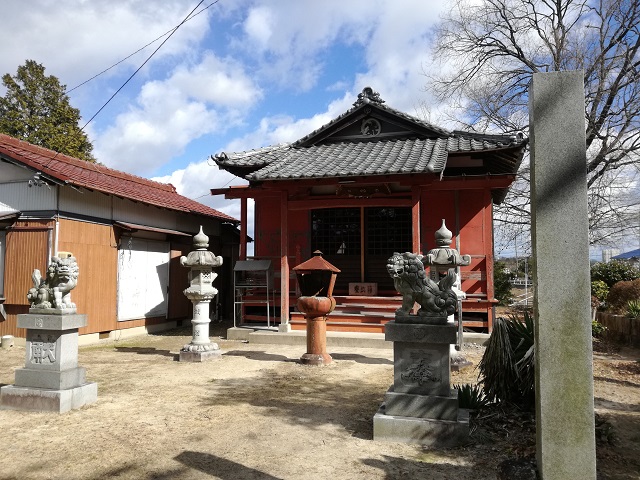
x=421 y=407
x=51 y=379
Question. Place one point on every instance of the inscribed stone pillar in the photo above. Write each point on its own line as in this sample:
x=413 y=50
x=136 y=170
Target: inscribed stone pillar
x=564 y=378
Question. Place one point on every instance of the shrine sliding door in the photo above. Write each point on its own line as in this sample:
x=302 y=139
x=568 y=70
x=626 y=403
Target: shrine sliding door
x=360 y=240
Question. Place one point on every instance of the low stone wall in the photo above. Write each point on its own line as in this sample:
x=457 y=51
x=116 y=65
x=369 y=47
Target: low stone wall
x=620 y=328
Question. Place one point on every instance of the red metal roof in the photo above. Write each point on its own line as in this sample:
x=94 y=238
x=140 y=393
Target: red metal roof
x=79 y=173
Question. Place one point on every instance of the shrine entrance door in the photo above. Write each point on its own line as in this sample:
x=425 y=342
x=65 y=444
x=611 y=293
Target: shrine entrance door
x=360 y=240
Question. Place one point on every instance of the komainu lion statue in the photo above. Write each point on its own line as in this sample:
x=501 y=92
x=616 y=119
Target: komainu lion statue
x=54 y=291
x=413 y=282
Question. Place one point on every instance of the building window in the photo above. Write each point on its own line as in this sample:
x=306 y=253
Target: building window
x=143 y=278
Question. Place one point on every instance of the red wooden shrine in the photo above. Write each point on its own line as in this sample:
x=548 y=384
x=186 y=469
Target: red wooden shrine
x=371 y=182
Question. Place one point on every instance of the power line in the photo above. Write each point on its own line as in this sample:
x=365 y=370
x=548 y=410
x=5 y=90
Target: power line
x=143 y=64
x=190 y=17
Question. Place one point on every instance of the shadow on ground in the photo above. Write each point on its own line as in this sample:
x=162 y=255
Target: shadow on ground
x=361 y=358
x=220 y=467
x=148 y=351
x=397 y=467
x=259 y=355
x=289 y=390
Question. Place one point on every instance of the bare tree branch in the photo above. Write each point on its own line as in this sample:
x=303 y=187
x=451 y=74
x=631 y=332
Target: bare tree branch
x=491 y=48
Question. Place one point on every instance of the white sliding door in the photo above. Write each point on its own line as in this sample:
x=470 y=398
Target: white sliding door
x=143 y=278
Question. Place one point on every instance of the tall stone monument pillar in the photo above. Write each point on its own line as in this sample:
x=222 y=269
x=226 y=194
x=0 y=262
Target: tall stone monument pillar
x=565 y=428
x=200 y=292
x=51 y=379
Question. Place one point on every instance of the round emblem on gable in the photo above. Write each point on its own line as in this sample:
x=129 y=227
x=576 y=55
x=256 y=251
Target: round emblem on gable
x=370 y=126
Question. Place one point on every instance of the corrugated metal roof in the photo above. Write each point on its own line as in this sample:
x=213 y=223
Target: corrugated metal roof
x=79 y=173
x=627 y=255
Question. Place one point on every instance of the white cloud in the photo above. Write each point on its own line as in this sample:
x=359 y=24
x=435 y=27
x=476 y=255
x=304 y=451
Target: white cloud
x=197 y=179
x=259 y=26
x=171 y=113
x=76 y=39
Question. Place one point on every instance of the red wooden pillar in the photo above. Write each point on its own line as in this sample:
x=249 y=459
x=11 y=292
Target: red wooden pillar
x=243 y=228
x=284 y=263
x=487 y=230
x=415 y=220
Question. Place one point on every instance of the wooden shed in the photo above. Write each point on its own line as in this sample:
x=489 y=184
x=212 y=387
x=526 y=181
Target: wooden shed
x=371 y=182
x=126 y=232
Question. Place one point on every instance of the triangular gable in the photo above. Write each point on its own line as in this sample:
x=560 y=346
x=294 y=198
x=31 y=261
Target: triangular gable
x=368 y=119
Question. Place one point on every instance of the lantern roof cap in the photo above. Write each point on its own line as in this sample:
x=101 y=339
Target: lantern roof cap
x=316 y=263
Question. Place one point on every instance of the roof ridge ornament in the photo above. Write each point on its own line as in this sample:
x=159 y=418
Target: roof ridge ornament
x=368 y=95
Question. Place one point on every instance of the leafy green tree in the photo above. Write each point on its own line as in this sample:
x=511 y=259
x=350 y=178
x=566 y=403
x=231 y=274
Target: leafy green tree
x=613 y=272
x=37 y=109
x=501 y=284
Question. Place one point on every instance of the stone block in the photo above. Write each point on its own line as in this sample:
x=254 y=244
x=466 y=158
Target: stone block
x=196 y=357
x=66 y=379
x=422 y=406
x=47 y=400
x=51 y=322
x=422 y=431
x=421 y=369
x=420 y=333
x=51 y=349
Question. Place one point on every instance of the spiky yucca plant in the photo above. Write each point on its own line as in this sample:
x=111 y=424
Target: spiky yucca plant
x=471 y=397
x=507 y=368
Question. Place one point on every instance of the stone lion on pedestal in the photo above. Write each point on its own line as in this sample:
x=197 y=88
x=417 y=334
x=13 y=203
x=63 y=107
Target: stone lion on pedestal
x=436 y=300
x=54 y=291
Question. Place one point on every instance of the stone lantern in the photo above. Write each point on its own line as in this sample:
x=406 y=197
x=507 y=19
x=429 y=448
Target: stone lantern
x=200 y=292
x=316 y=279
x=440 y=260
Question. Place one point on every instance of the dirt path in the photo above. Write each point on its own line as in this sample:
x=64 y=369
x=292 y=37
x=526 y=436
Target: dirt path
x=254 y=414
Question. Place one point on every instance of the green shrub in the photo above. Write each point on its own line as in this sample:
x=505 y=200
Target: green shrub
x=507 y=368
x=633 y=309
x=597 y=329
x=621 y=294
x=599 y=290
x=613 y=272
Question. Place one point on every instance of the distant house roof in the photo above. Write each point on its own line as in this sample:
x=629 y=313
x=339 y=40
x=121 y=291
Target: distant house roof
x=65 y=170
x=373 y=139
x=627 y=255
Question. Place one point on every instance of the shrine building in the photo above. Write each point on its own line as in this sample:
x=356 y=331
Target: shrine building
x=371 y=182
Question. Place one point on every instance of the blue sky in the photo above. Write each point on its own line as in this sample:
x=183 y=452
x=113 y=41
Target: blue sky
x=241 y=74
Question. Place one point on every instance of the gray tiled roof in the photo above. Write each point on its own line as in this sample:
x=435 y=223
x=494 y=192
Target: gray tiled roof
x=335 y=150
x=379 y=157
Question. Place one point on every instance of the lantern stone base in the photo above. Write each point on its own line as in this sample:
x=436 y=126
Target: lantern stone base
x=197 y=357
x=13 y=397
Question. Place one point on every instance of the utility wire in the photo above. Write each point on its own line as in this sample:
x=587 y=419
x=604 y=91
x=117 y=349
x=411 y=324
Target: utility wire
x=141 y=48
x=143 y=64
